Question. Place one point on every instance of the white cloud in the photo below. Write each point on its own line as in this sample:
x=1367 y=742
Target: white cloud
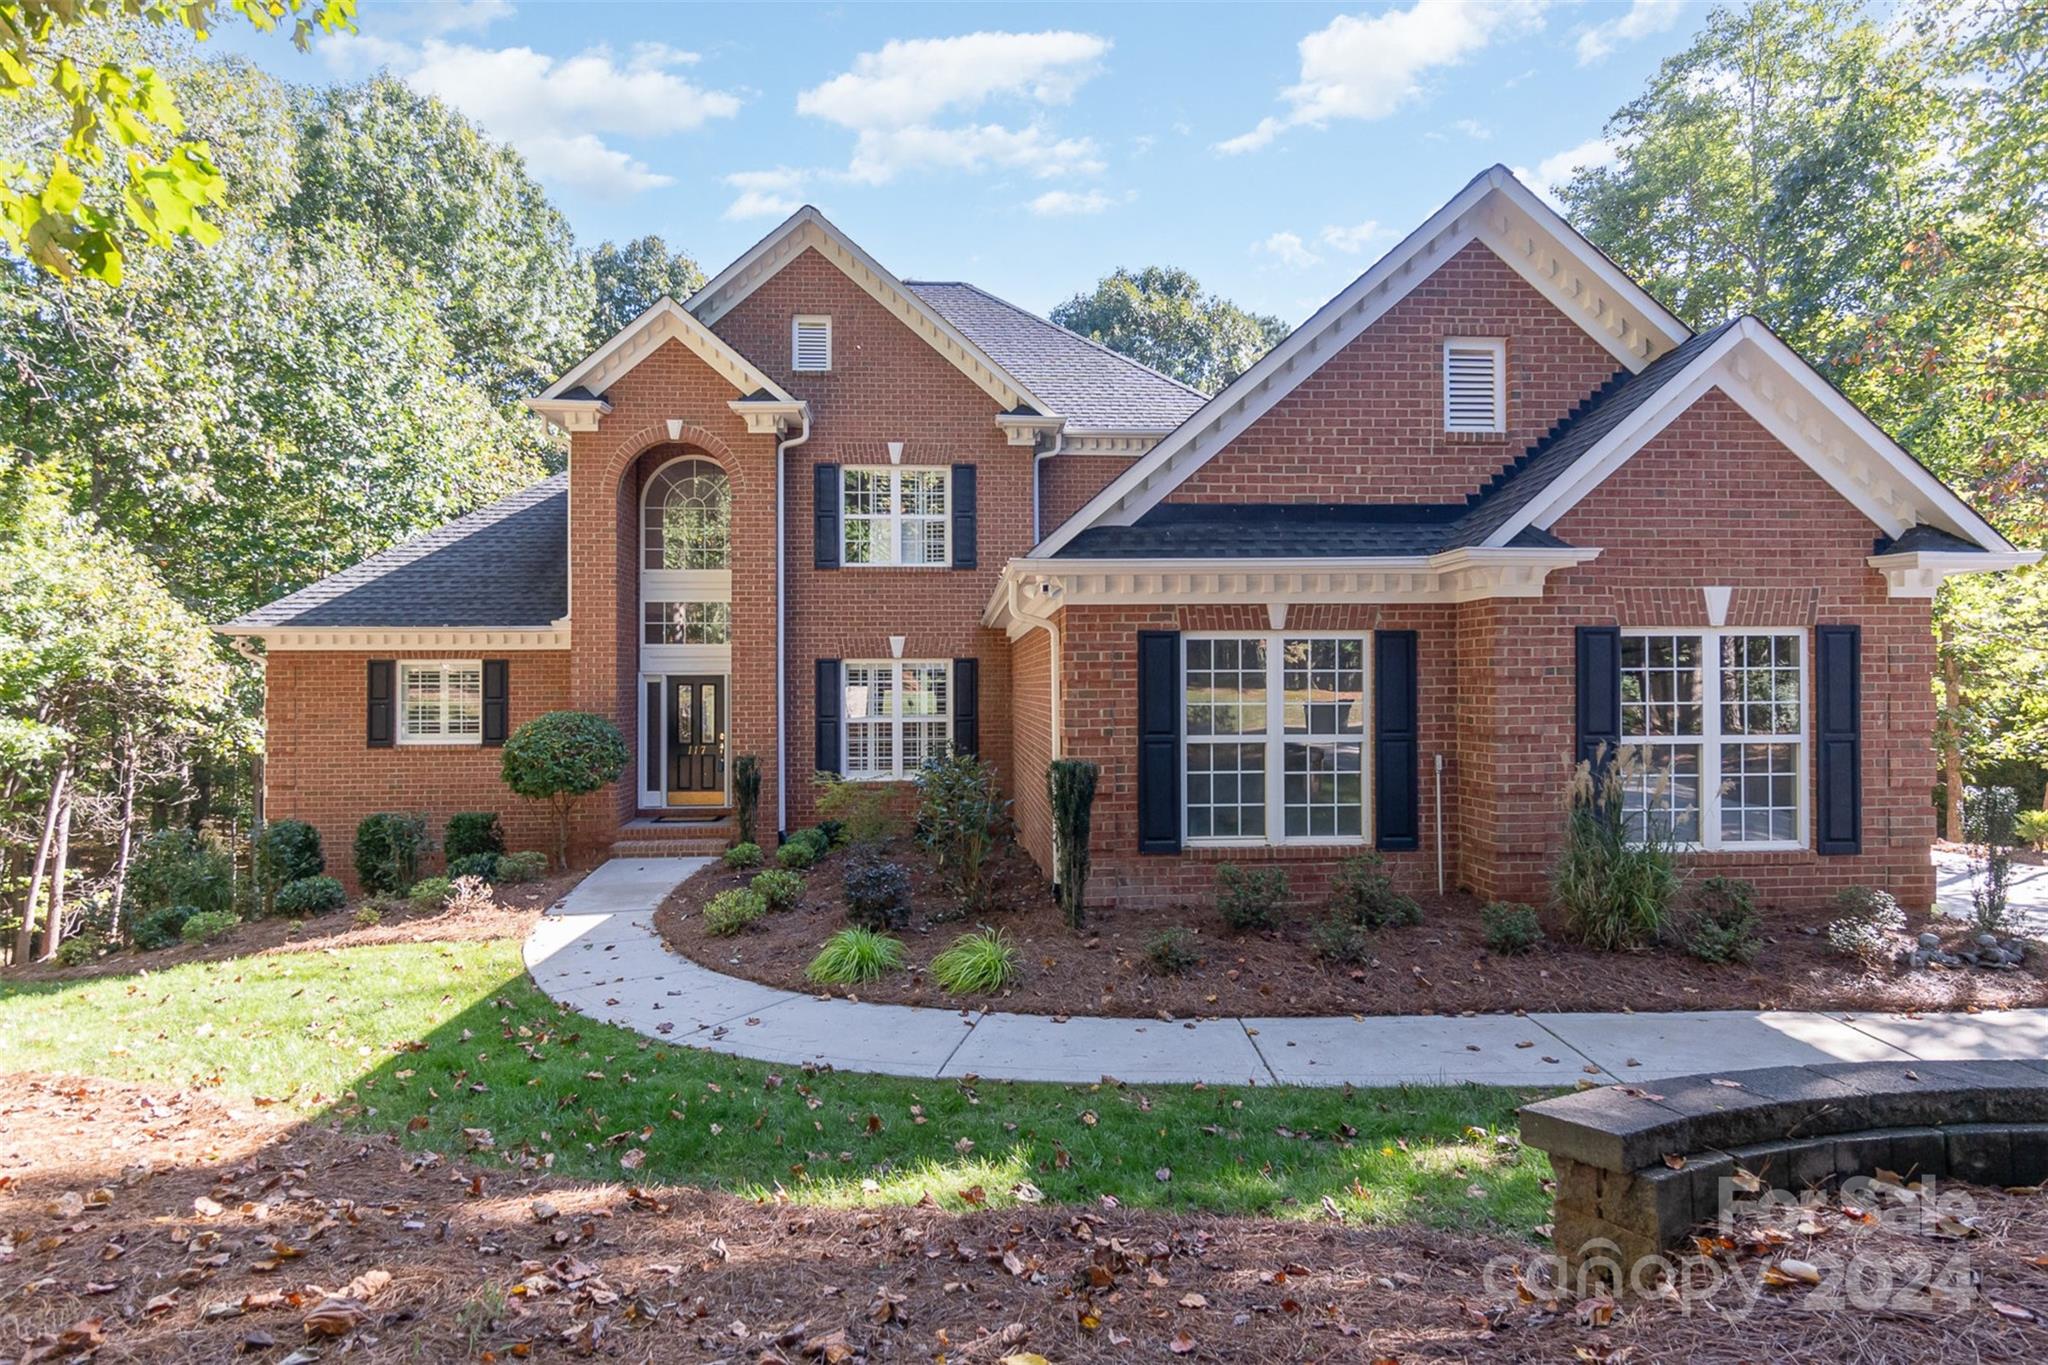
x=1552 y=171
x=554 y=109
x=1473 y=128
x=1288 y=249
x=899 y=102
x=1360 y=67
x=766 y=194
x=1067 y=203
x=1643 y=18
x=1354 y=239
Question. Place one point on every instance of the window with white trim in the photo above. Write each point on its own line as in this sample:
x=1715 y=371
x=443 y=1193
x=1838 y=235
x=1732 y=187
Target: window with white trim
x=899 y=716
x=688 y=623
x=891 y=515
x=1717 y=720
x=1273 y=738
x=441 y=702
x=810 y=344
x=1475 y=384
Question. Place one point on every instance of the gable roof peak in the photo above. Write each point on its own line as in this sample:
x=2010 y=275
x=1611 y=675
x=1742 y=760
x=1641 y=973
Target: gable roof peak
x=576 y=402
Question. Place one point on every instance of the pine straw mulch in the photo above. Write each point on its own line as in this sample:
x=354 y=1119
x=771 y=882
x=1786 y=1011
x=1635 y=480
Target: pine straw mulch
x=511 y=914
x=1439 y=967
x=163 y=1226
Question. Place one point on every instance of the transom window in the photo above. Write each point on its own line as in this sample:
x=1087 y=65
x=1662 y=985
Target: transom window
x=1717 y=722
x=1274 y=735
x=895 y=516
x=688 y=623
x=687 y=517
x=441 y=703
x=899 y=717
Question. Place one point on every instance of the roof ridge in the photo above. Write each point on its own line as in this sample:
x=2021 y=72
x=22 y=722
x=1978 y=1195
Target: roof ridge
x=1048 y=322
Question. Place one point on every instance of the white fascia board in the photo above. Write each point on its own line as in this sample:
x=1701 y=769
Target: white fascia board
x=331 y=639
x=659 y=322
x=1919 y=573
x=1496 y=210
x=1806 y=414
x=808 y=228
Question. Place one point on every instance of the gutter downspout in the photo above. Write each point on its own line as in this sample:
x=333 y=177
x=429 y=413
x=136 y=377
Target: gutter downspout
x=782 y=448
x=1038 y=459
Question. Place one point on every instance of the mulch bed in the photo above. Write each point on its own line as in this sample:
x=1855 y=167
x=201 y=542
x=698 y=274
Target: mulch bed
x=168 y=1226
x=514 y=908
x=1442 y=966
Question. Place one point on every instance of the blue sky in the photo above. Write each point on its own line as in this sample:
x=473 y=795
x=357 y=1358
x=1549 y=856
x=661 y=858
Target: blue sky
x=1274 y=150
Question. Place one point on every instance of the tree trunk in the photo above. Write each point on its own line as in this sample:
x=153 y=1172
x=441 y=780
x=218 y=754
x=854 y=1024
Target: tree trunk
x=562 y=833
x=53 y=929
x=25 y=936
x=124 y=854
x=1952 y=746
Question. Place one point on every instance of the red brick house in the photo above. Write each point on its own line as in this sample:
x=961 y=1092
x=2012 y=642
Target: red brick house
x=1490 y=508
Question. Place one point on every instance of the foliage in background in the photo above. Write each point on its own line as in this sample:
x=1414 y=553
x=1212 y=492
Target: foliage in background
x=1070 y=790
x=1159 y=316
x=1989 y=820
x=560 y=757
x=630 y=279
x=310 y=896
x=287 y=851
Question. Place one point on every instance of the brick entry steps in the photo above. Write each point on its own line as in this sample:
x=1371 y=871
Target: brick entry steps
x=649 y=836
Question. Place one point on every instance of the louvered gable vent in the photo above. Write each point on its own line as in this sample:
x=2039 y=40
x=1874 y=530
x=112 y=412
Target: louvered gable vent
x=1473 y=391
x=811 y=344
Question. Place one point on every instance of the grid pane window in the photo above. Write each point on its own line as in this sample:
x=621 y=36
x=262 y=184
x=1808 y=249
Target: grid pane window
x=896 y=516
x=1762 y=701
x=1323 y=700
x=688 y=623
x=687 y=520
x=899 y=717
x=441 y=703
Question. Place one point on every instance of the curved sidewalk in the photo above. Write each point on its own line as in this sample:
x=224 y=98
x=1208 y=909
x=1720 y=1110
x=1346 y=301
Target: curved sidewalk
x=598 y=953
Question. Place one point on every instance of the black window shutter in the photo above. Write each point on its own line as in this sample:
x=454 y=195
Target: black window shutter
x=1599 y=691
x=825 y=515
x=963 y=516
x=1397 y=822
x=831 y=702
x=1838 y=727
x=378 y=732
x=1158 y=741
x=497 y=693
x=966 y=706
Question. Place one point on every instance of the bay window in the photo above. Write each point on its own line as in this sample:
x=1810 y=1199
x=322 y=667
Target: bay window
x=1274 y=736
x=1713 y=724
x=895 y=516
x=899 y=717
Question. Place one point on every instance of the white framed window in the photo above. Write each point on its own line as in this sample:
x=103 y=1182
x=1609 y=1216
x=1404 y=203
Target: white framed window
x=1718 y=720
x=1273 y=738
x=1475 y=384
x=686 y=517
x=687 y=623
x=899 y=716
x=810 y=344
x=891 y=515
x=440 y=702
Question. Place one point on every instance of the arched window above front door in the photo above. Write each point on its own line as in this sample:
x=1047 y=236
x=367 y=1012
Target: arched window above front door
x=687 y=517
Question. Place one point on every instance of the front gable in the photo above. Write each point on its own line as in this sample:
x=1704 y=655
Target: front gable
x=578 y=402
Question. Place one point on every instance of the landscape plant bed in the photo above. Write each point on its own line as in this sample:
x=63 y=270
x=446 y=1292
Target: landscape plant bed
x=1441 y=966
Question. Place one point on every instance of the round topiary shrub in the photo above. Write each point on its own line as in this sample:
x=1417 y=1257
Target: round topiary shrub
x=528 y=865
x=779 y=887
x=742 y=856
x=311 y=896
x=560 y=758
x=877 y=895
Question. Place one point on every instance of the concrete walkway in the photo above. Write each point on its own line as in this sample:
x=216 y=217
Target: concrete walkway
x=2027 y=895
x=598 y=953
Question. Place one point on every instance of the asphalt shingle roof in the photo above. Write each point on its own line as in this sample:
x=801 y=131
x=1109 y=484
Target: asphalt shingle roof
x=503 y=566
x=1925 y=537
x=1279 y=531
x=1091 y=386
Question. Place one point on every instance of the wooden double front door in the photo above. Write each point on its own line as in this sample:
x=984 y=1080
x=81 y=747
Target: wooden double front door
x=693 y=754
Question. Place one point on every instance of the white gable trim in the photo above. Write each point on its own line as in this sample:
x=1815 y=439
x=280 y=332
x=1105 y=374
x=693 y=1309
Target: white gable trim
x=664 y=320
x=1496 y=210
x=808 y=229
x=1789 y=399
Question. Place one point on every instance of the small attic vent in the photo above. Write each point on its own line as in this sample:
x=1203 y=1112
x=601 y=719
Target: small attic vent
x=1473 y=393
x=811 y=344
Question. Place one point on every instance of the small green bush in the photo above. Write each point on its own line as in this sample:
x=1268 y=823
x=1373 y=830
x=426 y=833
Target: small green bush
x=1070 y=791
x=207 y=924
x=731 y=911
x=1339 y=938
x=854 y=957
x=287 y=851
x=311 y=896
x=430 y=893
x=1614 y=885
x=81 y=948
x=2031 y=828
x=368 y=917
x=180 y=867
x=560 y=757
x=1250 y=898
x=779 y=887
x=1722 y=925
x=388 y=849
x=161 y=928
x=1364 y=894
x=1866 y=923
x=963 y=819
x=527 y=866
x=877 y=894
x=801 y=850
x=833 y=832
x=1510 y=928
x=746 y=794
x=1172 y=951
x=472 y=832
x=740 y=857
x=977 y=963
x=484 y=865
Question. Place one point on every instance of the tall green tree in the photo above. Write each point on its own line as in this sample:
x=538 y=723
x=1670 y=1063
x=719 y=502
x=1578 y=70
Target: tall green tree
x=1159 y=316
x=630 y=278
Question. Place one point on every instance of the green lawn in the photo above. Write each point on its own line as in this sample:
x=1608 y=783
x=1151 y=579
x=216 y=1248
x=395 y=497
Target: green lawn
x=455 y=1034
